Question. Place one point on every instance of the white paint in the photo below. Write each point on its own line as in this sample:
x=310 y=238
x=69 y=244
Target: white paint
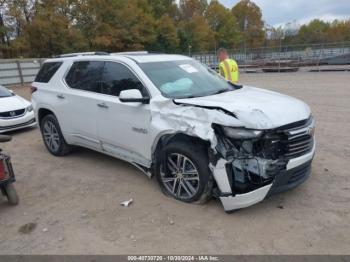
x=256 y=108
x=130 y=131
x=245 y=200
x=220 y=175
x=13 y=103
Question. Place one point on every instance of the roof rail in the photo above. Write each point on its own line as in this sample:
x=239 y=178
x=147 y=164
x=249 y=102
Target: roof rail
x=131 y=53
x=82 y=54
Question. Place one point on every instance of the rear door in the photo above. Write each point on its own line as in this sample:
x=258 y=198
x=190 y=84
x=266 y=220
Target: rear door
x=123 y=128
x=80 y=107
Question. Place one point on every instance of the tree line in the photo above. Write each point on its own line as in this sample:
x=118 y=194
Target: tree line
x=42 y=28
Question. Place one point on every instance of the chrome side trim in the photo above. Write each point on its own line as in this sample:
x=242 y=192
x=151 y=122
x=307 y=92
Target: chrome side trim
x=86 y=138
x=294 y=162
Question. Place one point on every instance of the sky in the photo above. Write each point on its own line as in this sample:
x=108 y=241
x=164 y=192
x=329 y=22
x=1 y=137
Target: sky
x=279 y=12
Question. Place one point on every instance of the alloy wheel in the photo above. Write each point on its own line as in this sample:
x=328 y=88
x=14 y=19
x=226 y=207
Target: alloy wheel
x=51 y=136
x=181 y=177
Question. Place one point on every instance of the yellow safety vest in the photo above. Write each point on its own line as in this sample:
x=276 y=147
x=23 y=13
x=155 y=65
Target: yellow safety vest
x=229 y=69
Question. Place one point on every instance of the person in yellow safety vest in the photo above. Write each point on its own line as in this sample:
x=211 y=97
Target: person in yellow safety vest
x=228 y=68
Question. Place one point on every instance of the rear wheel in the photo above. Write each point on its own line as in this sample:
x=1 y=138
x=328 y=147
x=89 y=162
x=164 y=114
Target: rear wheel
x=11 y=194
x=183 y=173
x=52 y=136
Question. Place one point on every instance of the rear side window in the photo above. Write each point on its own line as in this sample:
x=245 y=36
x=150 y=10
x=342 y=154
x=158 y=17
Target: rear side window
x=117 y=77
x=85 y=75
x=47 y=71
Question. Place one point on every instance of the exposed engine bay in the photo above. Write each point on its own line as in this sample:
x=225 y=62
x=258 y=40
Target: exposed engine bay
x=254 y=159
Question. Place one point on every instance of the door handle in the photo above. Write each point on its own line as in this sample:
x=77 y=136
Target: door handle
x=60 y=96
x=102 y=105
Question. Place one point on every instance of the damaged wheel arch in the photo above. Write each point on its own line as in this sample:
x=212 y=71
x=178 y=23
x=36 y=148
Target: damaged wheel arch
x=181 y=168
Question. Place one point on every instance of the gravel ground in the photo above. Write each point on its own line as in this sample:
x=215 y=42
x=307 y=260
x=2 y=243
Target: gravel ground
x=73 y=201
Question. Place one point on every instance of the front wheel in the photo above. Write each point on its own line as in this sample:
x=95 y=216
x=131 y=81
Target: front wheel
x=11 y=194
x=183 y=173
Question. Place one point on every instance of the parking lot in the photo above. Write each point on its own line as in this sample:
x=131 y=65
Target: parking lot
x=74 y=201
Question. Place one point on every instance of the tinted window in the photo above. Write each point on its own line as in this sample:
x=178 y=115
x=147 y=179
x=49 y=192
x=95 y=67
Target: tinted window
x=117 y=77
x=85 y=75
x=46 y=71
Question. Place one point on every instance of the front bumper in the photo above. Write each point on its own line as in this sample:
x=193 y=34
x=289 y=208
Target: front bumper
x=27 y=120
x=296 y=172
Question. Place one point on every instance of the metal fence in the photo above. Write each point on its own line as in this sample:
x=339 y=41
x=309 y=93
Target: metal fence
x=21 y=71
x=313 y=54
x=18 y=71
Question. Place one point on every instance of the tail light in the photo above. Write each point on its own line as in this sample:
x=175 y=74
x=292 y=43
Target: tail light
x=33 y=89
x=3 y=175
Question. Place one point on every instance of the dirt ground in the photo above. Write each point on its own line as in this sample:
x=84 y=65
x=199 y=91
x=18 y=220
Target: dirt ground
x=74 y=201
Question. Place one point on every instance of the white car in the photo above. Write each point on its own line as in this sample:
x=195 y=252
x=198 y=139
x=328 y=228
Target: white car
x=15 y=111
x=174 y=118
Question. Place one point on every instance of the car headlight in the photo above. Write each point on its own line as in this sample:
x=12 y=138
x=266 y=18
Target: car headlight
x=29 y=108
x=241 y=133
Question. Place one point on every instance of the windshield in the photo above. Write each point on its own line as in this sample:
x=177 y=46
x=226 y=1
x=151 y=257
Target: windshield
x=4 y=92
x=185 y=79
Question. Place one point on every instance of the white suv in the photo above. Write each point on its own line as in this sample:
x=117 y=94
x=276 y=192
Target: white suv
x=174 y=118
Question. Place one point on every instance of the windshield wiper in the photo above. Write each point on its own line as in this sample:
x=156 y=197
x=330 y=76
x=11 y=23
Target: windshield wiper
x=235 y=86
x=220 y=92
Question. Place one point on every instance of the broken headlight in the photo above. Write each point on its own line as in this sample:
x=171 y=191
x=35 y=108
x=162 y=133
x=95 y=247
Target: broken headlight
x=241 y=133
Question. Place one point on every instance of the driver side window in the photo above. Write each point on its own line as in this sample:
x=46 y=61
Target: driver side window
x=117 y=77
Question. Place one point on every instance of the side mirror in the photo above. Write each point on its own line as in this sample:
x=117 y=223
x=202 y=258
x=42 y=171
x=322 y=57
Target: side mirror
x=132 y=96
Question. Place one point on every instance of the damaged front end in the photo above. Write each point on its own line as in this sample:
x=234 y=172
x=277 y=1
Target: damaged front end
x=248 y=163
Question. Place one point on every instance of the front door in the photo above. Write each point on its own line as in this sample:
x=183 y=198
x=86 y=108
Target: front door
x=123 y=128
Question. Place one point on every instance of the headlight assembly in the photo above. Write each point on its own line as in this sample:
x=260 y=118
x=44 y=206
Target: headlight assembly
x=29 y=108
x=241 y=133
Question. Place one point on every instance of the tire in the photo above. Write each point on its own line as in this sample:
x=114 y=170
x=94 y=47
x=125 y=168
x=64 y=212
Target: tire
x=52 y=136
x=180 y=181
x=11 y=194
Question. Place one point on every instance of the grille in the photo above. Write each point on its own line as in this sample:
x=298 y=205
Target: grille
x=12 y=114
x=299 y=146
x=298 y=141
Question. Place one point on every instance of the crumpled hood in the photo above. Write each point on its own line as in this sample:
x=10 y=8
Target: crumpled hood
x=12 y=103
x=256 y=108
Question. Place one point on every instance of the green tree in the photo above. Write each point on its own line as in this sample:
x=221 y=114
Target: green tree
x=50 y=31
x=116 y=25
x=223 y=24
x=195 y=34
x=190 y=8
x=167 y=39
x=159 y=8
x=250 y=23
x=22 y=13
x=314 y=32
x=4 y=29
x=339 y=31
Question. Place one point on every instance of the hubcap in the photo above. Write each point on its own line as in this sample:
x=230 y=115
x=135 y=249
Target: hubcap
x=181 y=177
x=52 y=139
